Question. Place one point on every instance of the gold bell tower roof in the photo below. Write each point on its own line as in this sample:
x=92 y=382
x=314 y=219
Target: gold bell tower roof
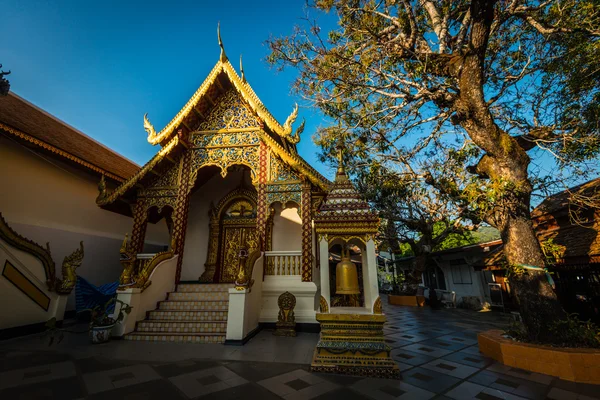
x=344 y=205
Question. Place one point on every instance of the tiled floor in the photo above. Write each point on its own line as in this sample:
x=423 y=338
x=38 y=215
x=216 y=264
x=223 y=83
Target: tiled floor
x=436 y=351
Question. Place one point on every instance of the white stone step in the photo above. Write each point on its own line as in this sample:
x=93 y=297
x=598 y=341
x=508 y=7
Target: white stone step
x=194 y=305
x=198 y=296
x=206 y=287
x=182 y=327
x=177 y=337
x=174 y=315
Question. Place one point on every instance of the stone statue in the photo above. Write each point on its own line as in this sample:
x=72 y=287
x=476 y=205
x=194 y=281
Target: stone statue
x=286 y=321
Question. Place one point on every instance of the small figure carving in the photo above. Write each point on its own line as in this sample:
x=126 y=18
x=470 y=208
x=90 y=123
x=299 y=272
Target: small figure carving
x=286 y=321
x=101 y=189
x=127 y=258
x=4 y=83
x=69 y=265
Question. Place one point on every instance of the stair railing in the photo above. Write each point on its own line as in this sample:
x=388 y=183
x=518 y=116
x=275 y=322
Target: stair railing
x=283 y=262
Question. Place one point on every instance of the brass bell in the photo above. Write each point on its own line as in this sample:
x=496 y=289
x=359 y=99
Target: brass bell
x=346 y=276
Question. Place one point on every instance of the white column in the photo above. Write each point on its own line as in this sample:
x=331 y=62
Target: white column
x=235 y=316
x=324 y=269
x=371 y=289
x=131 y=297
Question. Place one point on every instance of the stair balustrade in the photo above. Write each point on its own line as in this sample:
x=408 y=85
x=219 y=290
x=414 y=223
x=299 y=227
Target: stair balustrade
x=283 y=262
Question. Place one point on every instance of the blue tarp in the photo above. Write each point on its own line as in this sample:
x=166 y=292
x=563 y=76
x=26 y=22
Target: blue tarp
x=89 y=296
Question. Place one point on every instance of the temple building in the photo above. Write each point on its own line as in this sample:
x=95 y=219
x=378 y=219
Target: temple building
x=252 y=232
x=240 y=205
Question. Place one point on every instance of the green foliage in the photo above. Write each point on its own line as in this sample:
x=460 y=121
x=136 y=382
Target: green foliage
x=569 y=332
x=552 y=251
x=486 y=234
x=453 y=240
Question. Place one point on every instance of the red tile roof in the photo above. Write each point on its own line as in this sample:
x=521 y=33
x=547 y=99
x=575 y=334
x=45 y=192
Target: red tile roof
x=19 y=118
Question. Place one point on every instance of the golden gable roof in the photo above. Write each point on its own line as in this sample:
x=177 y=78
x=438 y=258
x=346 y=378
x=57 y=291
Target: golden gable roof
x=222 y=78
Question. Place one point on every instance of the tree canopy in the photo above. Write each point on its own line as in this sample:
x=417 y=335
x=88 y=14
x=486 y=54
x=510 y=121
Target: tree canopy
x=462 y=95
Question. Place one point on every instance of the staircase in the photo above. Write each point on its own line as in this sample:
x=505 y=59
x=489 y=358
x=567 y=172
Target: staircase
x=195 y=313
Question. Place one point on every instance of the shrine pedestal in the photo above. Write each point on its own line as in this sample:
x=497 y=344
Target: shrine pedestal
x=353 y=344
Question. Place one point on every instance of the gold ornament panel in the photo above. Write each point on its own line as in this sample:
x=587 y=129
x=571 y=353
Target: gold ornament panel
x=230 y=112
x=232 y=240
x=225 y=158
x=280 y=172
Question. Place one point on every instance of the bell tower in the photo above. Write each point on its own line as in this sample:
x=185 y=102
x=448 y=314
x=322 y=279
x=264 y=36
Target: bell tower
x=351 y=340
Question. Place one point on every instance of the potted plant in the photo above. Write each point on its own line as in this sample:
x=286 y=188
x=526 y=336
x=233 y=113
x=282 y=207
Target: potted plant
x=101 y=323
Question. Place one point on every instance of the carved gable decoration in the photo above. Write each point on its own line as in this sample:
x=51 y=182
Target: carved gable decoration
x=230 y=113
x=280 y=172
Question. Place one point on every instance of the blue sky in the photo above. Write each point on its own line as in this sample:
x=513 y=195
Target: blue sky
x=100 y=66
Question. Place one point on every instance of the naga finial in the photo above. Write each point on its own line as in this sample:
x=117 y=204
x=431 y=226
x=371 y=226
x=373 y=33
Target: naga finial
x=4 y=83
x=69 y=265
x=287 y=127
x=101 y=189
x=340 y=175
x=124 y=245
x=242 y=70
x=148 y=127
x=223 y=55
x=295 y=138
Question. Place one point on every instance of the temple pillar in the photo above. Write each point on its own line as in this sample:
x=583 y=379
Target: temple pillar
x=180 y=214
x=140 y=223
x=261 y=200
x=306 y=233
x=370 y=286
x=324 y=269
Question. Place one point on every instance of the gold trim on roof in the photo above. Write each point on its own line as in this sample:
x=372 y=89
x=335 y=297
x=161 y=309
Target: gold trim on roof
x=104 y=199
x=248 y=94
x=56 y=150
x=296 y=162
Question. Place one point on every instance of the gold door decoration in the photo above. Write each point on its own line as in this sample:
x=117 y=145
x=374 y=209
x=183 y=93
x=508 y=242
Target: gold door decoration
x=232 y=225
x=234 y=238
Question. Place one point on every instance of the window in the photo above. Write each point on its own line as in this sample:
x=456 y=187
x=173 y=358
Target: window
x=461 y=274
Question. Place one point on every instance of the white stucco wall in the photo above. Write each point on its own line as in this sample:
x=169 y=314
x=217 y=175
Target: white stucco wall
x=475 y=288
x=287 y=229
x=196 y=237
x=47 y=200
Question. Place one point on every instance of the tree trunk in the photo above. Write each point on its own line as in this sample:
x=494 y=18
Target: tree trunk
x=507 y=163
x=538 y=304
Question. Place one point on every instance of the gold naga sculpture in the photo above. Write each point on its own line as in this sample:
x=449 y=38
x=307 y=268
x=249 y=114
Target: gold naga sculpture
x=127 y=257
x=142 y=278
x=69 y=266
x=286 y=321
x=246 y=266
x=138 y=277
x=43 y=254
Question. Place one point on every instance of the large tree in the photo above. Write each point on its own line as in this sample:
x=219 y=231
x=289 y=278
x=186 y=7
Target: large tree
x=499 y=79
x=413 y=213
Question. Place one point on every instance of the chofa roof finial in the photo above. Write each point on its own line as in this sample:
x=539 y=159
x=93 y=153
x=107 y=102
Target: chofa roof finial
x=242 y=70
x=340 y=176
x=223 y=56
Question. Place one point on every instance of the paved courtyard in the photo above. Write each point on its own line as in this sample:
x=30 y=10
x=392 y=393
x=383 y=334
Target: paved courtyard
x=436 y=351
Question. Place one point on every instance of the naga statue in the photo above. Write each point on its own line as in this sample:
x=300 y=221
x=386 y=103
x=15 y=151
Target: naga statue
x=69 y=265
x=128 y=258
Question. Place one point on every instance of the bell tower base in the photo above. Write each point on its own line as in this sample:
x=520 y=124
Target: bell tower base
x=353 y=344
